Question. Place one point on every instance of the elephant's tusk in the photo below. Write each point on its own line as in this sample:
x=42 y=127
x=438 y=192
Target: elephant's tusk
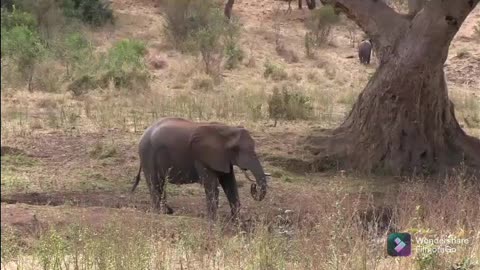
x=246 y=175
x=250 y=179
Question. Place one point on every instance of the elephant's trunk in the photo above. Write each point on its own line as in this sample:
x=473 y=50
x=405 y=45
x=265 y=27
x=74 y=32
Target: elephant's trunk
x=258 y=190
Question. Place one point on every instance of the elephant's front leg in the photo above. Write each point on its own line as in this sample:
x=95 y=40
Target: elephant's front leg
x=229 y=185
x=210 y=183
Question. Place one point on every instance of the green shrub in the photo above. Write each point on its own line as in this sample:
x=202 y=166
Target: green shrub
x=75 y=51
x=82 y=84
x=289 y=104
x=183 y=19
x=320 y=24
x=124 y=65
x=17 y=18
x=209 y=43
x=199 y=27
x=23 y=46
x=275 y=72
x=48 y=15
x=233 y=52
x=93 y=12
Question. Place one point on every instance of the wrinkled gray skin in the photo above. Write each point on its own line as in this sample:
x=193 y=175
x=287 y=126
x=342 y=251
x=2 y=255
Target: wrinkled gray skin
x=187 y=152
x=364 y=51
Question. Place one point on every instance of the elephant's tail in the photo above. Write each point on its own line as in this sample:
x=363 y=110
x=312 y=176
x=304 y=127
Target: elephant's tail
x=137 y=179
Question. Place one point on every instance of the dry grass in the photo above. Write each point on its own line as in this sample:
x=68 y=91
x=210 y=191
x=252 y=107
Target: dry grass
x=329 y=231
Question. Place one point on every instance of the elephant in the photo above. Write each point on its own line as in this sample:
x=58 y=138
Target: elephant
x=364 y=51
x=181 y=151
x=310 y=4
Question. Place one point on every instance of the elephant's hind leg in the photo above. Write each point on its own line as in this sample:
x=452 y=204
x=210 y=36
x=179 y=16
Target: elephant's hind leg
x=152 y=179
x=164 y=208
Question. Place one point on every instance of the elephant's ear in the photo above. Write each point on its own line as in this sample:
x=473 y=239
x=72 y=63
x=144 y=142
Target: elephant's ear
x=209 y=146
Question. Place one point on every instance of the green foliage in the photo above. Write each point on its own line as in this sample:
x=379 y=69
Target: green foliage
x=183 y=19
x=426 y=260
x=289 y=104
x=23 y=46
x=275 y=72
x=233 y=52
x=17 y=18
x=124 y=64
x=52 y=250
x=75 y=51
x=93 y=12
x=199 y=27
x=465 y=264
x=320 y=24
x=208 y=40
x=48 y=16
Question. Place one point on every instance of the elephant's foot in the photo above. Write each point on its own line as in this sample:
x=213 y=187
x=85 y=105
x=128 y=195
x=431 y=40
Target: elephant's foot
x=162 y=209
x=168 y=210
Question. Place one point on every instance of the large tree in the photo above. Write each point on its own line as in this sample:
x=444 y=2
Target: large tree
x=403 y=121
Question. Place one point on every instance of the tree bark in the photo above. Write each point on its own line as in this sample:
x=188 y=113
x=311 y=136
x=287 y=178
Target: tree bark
x=414 y=6
x=403 y=122
x=228 y=8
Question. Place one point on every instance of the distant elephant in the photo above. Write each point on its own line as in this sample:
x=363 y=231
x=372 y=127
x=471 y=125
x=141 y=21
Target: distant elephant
x=310 y=4
x=364 y=51
x=186 y=152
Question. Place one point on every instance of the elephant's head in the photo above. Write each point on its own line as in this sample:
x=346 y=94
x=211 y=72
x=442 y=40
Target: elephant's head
x=219 y=146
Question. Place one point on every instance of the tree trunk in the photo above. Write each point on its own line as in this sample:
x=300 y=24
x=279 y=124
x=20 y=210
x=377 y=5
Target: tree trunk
x=403 y=122
x=228 y=8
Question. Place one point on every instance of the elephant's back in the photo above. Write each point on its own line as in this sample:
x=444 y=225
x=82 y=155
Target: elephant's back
x=365 y=46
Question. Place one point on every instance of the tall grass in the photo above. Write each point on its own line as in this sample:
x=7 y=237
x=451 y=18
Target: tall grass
x=324 y=231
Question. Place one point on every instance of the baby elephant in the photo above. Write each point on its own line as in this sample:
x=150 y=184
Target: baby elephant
x=181 y=152
x=364 y=51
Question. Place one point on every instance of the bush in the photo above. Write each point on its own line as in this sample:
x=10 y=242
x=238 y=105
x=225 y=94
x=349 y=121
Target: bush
x=23 y=46
x=82 y=84
x=320 y=24
x=75 y=51
x=48 y=15
x=124 y=64
x=17 y=18
x=289 y=104
x=199 y=27
x=183 y=19
x=93 y=12
x=204 y=83
x=47 y=77
x=233 y=52
x=209 y=43
x=275 y=72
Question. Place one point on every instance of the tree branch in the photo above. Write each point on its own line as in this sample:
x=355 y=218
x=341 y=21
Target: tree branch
x=414 y=6
x=374 y=16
